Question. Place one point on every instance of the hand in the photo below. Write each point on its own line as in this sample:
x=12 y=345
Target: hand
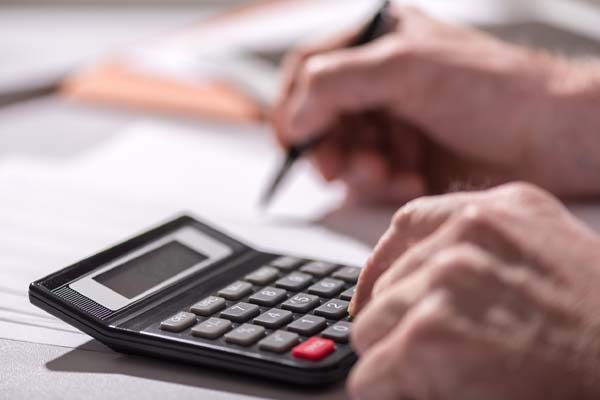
x=489 y=295
x=429 y=105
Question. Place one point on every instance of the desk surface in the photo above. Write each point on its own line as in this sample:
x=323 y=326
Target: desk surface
x=49 y=127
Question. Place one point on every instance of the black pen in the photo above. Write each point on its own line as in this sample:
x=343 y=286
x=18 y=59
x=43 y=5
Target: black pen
x=370 y=32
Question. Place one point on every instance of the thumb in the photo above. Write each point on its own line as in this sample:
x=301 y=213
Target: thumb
x=340 y=82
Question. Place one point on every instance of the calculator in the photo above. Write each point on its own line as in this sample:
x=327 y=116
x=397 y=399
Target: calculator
x=185 y=291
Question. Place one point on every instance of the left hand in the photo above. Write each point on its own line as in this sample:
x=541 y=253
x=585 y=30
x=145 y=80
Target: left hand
x=489 y=295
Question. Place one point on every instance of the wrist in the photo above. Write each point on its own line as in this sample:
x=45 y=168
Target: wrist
x=566 y=139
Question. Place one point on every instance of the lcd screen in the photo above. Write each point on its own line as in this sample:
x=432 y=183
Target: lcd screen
x=150 y=269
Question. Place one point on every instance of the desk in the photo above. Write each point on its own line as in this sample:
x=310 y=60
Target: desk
x=49 y=127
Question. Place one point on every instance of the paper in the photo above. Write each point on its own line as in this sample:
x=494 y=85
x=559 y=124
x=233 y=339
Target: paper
x=55 y=213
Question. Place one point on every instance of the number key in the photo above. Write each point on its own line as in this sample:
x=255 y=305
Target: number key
x=348 y=293
x=340 y=331
x=307 y=325
x=274 y=318
x=301 y=302
x=333 y=309
x=286 y=262
x=240 y=312
x=294 y=281
x=268 y=296
x=327 y=287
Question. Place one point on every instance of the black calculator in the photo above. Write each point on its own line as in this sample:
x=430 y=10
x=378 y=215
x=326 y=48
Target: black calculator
x=185 y=291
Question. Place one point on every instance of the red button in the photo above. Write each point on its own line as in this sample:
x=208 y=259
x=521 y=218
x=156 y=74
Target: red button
x=314 y=349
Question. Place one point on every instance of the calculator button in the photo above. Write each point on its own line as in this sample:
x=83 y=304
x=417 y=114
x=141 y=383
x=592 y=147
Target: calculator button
x=178 y=322
x=208 y=306
x=240 y=312
x=318 y=268
x=314 y=349
x=307 y=325
x=212 y=328
x=348 y=293
x=333 y=309
x=301 y=302
x=348 y=274
x=327 y=287
x=236 y=290
x=268 y=296
x=262 y=276
x=294 y=281
x=274 y=318
x=279 y=341
x=286 y=263
x=245 y=335
x=340 y=332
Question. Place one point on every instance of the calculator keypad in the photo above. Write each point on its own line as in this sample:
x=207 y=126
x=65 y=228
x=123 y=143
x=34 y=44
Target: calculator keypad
x=288 y=307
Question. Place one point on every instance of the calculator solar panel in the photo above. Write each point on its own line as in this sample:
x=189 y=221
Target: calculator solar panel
x=186 y=292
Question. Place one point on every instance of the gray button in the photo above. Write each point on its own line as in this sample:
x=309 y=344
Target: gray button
x=245 y=335
x=279 y=341
x=318 y=268
x=268 y=296
x=307 y=325
x=348 y=293
x=286 y=263
x=348 y=274
x=274 y=318
x=212 y=328
x=240 y=312
x=236 y=290
x=208 y=306
x=178 y=322
x=333 y=309
x=340 y=332
x=327 y=287
x=301 y=302
x=262 y=276
x=294 y=281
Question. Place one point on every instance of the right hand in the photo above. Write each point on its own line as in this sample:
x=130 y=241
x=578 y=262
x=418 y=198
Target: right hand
x=425 y=107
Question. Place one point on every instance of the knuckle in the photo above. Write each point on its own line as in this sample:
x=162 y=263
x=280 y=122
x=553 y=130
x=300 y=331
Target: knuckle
x=523 y=192
x=407 y=215
x=451 y=264
x=476 y=218
x=433 y=318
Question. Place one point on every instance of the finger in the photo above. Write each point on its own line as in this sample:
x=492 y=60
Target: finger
x=343 y=81
x=413 y=222
x=464 y=271
x=393 y=368
x=469 y=226
x=293 y=64
x=399 y=189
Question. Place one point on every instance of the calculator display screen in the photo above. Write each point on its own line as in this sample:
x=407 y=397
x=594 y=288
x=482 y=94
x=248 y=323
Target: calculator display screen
x=150 y=269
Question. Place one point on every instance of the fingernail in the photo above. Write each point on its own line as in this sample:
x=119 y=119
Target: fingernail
x=352 y=307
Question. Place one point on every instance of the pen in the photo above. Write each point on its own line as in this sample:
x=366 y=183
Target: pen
x=370 y=32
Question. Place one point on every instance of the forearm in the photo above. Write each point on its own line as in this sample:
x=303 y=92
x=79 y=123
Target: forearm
x=567 y=143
